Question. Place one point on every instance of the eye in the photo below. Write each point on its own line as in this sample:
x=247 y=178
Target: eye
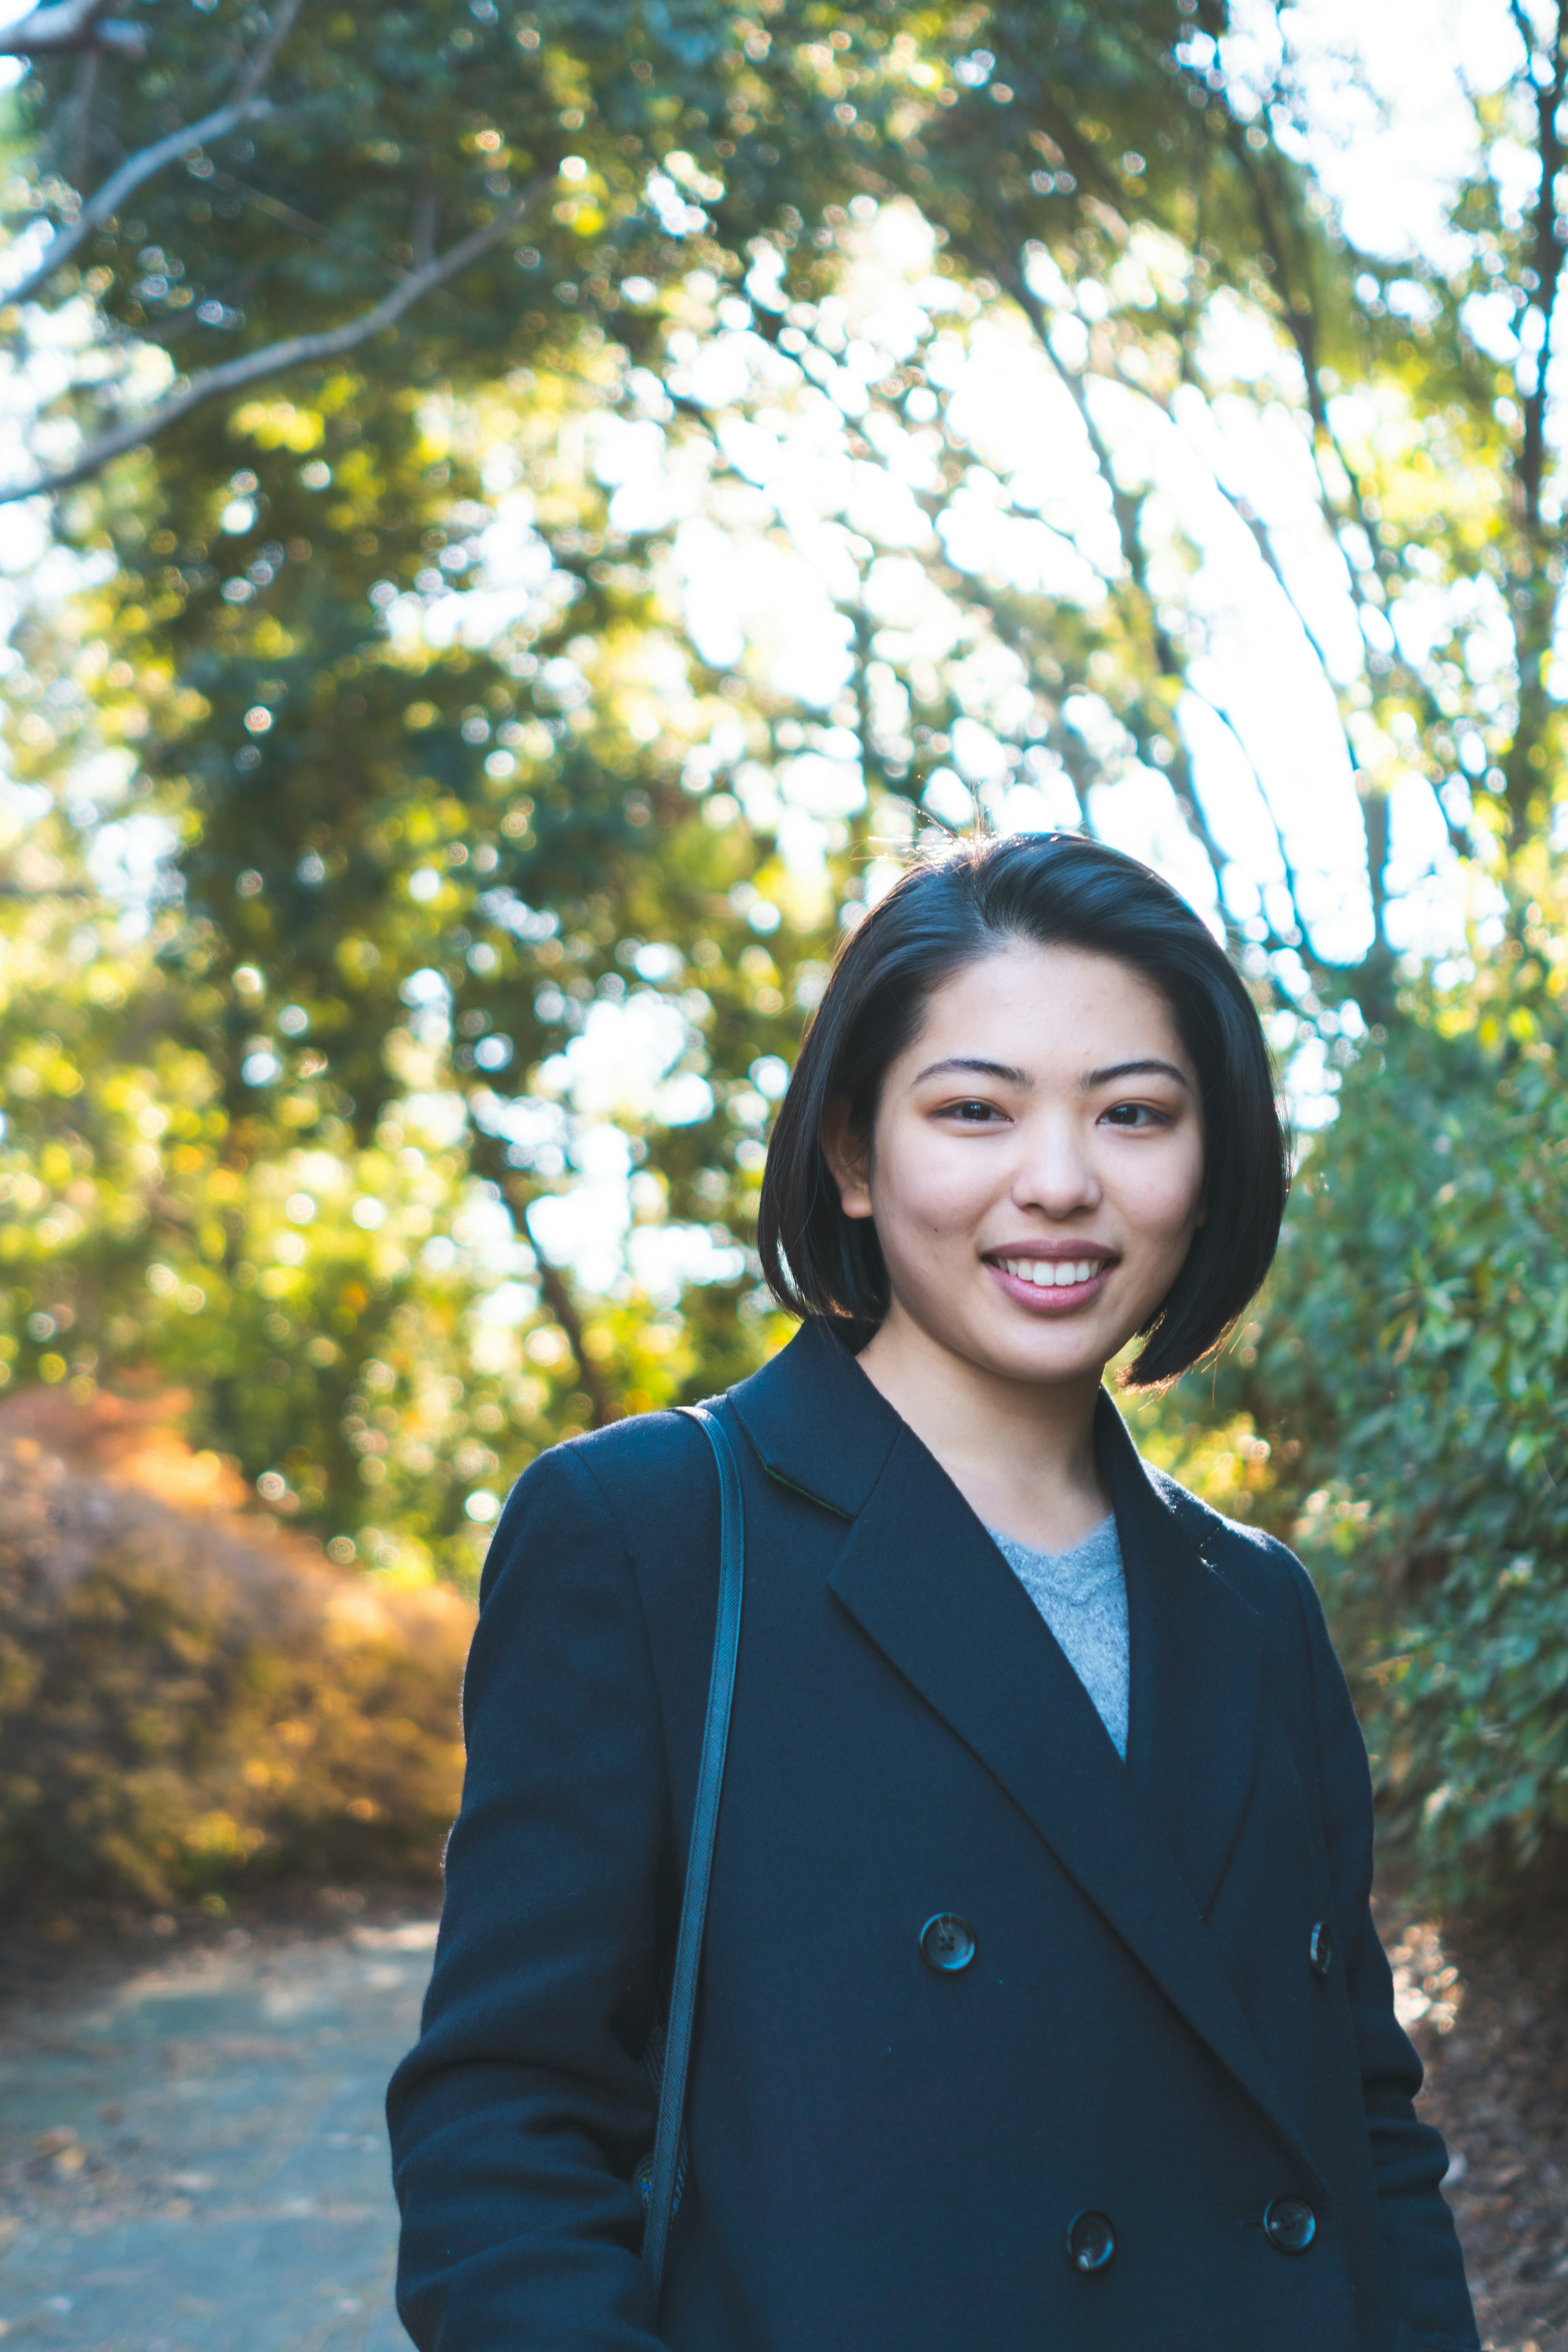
x=972 y=1114
x=1132 y=1114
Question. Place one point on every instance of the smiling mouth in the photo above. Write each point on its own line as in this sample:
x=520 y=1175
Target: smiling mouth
x=1048 y=1273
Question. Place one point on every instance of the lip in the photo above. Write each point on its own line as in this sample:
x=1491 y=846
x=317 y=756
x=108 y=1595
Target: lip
x=1065 y=1298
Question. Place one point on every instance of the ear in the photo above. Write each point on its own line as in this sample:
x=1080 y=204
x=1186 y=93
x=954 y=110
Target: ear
x=848 y=1160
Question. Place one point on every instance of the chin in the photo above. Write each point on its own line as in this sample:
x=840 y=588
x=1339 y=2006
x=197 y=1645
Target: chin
x=1060 y=1356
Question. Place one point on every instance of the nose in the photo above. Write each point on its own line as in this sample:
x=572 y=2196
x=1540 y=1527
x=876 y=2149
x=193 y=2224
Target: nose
x=1055 y=1173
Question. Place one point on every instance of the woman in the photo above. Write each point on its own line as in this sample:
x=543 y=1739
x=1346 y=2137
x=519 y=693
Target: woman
x=1041 y=2005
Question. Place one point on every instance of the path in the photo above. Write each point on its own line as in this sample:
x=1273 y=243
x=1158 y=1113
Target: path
x=192 y=2156
x=195 y=2160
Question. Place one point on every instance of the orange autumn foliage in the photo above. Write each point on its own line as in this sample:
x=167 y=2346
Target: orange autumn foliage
x=189 y=1698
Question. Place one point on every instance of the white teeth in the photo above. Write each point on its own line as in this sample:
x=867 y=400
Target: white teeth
x=1052 y=1273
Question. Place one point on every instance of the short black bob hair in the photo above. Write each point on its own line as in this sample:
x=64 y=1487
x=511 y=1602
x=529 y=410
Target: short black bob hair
x=1058 y=890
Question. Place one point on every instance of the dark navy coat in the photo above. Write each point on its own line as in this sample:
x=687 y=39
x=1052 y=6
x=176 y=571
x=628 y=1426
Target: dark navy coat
x=884 y=2155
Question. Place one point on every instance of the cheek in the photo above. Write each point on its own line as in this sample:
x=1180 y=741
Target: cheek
x=1165 y=1199
x=929 y=1184
x=1162 y=1196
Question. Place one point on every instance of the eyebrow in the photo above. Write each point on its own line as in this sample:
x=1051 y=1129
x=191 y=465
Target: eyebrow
x=1009 y=1077
x=1002 y=1070
x=1150 y=1069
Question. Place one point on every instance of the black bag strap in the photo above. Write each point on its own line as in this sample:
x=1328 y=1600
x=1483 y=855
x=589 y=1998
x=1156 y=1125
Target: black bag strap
x=699 y=1861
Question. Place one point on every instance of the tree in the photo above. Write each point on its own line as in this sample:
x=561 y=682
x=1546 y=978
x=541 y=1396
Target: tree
x=1103 y=147
x=1125 y=258
x=347 y=802
x=403 y=640
x=358 y=174
x=353 y=936
x=289 y=719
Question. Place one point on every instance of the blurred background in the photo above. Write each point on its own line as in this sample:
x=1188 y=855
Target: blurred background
x=516 y=521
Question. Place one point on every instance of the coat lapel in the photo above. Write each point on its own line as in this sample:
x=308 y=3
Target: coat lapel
x=1146 y=1841
x=1195 y=1725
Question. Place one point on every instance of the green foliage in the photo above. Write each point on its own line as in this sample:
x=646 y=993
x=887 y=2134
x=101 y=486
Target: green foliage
x=183 y=1704
x=603 y=143
x=449 y=782
x=1397 y=1401
x=298 y=1305
x=1416 y=1343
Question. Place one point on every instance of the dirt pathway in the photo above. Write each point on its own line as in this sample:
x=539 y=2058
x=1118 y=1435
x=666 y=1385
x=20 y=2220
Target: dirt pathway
x=1488 y=2008
x=193 y=2160
x=192 y=2156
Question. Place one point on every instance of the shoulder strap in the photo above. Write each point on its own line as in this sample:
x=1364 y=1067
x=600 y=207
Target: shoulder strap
x=700 y=1863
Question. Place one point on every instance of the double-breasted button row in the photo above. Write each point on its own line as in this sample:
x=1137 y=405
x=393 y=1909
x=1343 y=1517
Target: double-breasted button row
x=947 y=1943
x=1290 y=2225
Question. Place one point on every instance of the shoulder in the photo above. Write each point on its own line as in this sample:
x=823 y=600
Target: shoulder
x=609 y=1488
x=1264 y=1571
x=628 y=1460
x=1303 y=1667
x=629 y=1467
x=1266 y=1574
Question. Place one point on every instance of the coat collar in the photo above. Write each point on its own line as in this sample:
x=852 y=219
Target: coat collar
x=1147 y=1841
x=817 y=1423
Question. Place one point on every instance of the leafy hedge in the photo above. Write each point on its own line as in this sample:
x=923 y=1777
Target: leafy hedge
x=1398 y=1410
x=185 y=1703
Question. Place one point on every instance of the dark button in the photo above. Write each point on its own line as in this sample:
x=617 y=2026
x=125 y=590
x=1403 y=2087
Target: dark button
x=1091 y=2242
x=1290 y=2225
x=947 y=1942
x=1321 y=1948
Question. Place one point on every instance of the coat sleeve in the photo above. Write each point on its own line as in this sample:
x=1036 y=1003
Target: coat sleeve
x=519 y=2115
x=1409 y=2159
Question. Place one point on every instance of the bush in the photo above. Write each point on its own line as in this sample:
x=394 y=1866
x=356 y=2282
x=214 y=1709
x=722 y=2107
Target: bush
x=1407 y=1369
x=188 y=1702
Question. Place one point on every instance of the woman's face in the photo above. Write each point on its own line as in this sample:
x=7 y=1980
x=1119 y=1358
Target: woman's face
x=1037 y=1169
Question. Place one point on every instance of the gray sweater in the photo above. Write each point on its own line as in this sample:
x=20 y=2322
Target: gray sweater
x=1082 y=1596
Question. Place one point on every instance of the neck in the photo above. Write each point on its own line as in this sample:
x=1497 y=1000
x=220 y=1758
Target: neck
x=1021 y=1452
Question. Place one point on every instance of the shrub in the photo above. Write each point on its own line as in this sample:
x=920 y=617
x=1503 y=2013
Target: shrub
x=1407 y=1368
x=186 y=1702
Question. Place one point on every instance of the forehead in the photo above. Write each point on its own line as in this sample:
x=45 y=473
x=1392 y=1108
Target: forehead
x=1047 y=1008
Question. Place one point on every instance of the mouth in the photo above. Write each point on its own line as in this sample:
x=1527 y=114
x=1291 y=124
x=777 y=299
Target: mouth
x=1051 y=1284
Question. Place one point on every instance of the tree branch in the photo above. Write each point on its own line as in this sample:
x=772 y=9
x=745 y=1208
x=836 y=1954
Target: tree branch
x=273 y=359
x=1262 y=538
x=1297 y=310
x=1301 y=945
x=1127 y=511
x=244 y=106
x=422 y=237
x=253 y=74
x=563 y=1306
x=76 y=124
x=66 y=242
x=1535 y=600
x=520 y=1193
x=1523 y=27
x=71 y=24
